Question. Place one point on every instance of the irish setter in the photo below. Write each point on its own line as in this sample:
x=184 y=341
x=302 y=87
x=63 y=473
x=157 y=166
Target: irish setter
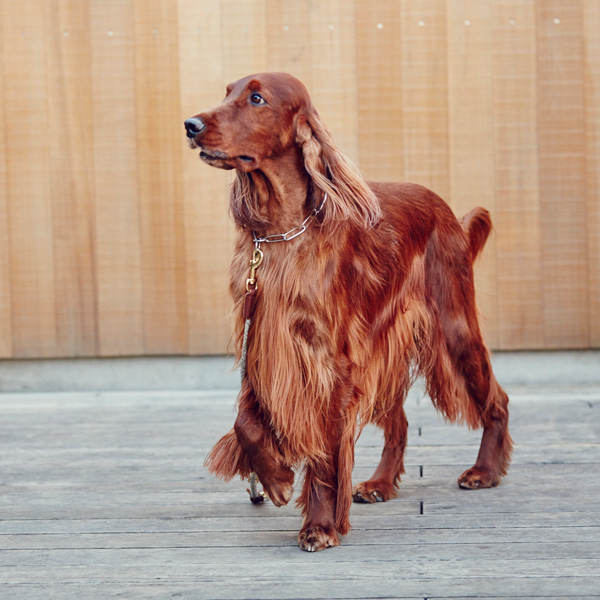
x=368 y=286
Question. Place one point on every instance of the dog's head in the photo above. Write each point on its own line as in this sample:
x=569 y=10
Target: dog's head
x=265 y=117
x=255 y=122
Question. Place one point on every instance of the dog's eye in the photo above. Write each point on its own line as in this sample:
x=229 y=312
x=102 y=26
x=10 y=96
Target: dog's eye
x=257 y=99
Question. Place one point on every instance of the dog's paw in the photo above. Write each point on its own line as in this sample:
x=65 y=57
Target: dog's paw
x=370 y=492
x=280 y=496
x=314 y=538
x=477 y=478
x=280 y=490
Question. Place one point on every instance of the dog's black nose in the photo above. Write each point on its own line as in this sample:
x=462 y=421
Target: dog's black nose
x=194 y=126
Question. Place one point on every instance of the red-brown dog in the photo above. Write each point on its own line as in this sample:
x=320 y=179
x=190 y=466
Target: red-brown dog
x=371 y=285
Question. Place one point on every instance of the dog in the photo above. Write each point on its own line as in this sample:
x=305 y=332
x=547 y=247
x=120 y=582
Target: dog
x=354 y=290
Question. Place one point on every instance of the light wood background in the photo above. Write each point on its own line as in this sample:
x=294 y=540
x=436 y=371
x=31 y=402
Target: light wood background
x=115 y=240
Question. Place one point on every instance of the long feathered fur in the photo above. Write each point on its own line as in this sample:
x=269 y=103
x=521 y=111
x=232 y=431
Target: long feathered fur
x=377 y=290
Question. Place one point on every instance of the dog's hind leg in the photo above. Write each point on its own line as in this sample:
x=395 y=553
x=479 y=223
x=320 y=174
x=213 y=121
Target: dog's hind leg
x=462 y=386
x=456 y=362
x=496 y=444
x=383 y=484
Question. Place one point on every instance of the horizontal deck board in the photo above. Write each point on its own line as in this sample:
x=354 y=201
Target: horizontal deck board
x=105 y=495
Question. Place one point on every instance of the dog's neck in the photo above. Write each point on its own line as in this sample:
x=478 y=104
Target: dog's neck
x=284 y=194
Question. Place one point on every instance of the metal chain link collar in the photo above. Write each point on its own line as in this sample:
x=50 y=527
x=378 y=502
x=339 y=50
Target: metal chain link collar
x=292 y=233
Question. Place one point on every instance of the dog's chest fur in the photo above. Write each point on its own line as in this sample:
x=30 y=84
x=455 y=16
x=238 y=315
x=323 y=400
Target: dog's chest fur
x=323 y=336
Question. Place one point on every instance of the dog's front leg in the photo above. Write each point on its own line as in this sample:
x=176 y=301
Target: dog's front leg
x=319 y=498
x=262 y=449
x=327 y=492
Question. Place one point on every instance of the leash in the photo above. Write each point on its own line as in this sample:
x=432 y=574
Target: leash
x=257 y=497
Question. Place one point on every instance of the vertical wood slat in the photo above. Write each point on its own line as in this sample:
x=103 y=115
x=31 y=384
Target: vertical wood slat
x=561 y=138
x=333 y=82
x=208 y=229
x=242 y=52
x=591 y=58
x=518 y=212
x=108 y=220
x=117 y=233
x=71 y=175
x=470 y=98
x=425 y=86
x=159 y=169
x=243 y=39
x=34 y=332
x=5 y=303
x=288 y=46
x=379 y=90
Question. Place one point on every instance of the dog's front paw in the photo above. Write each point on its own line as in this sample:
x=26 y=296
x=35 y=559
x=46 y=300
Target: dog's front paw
x=280 y=496
x=314 y=538
x=280 y=489
x=477 y=478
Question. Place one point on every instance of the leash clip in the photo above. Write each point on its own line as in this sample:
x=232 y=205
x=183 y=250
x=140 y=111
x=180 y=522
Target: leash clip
x=255 y=262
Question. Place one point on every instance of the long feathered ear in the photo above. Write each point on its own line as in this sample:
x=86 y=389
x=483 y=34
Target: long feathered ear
x=348 y=195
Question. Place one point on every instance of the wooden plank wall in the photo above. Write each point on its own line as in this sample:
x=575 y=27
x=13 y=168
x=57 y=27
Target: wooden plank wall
x=115 y=240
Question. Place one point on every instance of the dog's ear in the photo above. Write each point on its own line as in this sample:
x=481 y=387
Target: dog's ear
x=348 y=195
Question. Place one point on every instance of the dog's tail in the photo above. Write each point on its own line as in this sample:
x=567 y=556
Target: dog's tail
x=477 y=224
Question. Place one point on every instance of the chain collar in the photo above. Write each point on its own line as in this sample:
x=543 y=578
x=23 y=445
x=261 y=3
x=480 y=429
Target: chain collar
x=292 y=233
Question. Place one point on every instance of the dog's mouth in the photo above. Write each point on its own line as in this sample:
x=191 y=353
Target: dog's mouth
x=212 y=155
x=216 y=158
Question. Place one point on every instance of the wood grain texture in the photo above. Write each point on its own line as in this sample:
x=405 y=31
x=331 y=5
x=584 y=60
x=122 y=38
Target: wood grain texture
x=123 y=507
x=471 y=141
x=159 y=152
x=69 y=101
x=591 y=58
x=243 y=40
x=562 y=169
x=207 y=226
x=517 y=217
x=334 y=78
x=115 y=240
x=288 y=42
x=28 y=189
x=425 y=84
x=5 y=304
x=380 y=91
x=116 y=186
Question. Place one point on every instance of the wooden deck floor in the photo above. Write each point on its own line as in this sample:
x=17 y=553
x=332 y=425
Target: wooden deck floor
x=105 y=496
